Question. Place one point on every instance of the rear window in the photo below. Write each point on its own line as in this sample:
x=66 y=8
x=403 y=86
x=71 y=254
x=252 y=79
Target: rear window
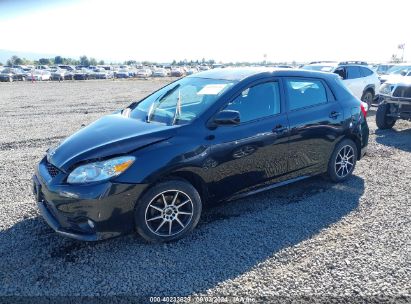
x=304 y=93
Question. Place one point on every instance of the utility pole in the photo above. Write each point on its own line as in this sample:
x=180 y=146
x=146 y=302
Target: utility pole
x=402 y=47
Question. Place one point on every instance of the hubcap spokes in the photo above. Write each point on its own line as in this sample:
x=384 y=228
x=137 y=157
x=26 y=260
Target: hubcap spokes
x=169 y=213
x=344 y=162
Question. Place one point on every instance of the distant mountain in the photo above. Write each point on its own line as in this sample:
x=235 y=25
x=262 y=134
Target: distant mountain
x=6 y=54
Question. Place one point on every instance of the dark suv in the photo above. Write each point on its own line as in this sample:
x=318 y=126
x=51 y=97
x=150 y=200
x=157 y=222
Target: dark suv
x=212 y=136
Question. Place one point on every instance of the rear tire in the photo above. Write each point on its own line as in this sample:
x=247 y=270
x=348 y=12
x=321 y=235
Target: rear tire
x=342 y=161
x=168 y=211
x=368 y=97
x=382 y=120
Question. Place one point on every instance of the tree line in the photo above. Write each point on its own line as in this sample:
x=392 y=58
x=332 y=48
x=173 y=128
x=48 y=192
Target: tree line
x=83 y=60
x=86 y=61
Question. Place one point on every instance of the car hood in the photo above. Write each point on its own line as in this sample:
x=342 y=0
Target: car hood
x=110 y=135
x=391 y=78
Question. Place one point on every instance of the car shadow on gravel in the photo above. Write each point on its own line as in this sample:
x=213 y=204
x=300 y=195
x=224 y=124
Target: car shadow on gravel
x=400 y=139
x=231 y=239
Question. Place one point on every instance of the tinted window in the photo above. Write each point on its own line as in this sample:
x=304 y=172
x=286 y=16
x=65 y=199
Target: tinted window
x=341 y=72
x=365 y=72
x=353 y=72
x=305 y=93
x=258 y=101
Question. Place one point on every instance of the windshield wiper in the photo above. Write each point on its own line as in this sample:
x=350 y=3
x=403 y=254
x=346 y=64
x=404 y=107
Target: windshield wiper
x=153 y=107
x=177 y=113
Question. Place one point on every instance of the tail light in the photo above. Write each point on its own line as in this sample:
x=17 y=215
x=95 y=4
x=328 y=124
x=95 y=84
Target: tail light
x=364 y=108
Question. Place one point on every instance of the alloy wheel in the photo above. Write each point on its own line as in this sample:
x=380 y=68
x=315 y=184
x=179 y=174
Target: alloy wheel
x=169 y=213
x=344 y=162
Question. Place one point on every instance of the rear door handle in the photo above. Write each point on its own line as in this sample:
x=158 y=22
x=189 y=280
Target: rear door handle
x=280 y=129
x=334 y=114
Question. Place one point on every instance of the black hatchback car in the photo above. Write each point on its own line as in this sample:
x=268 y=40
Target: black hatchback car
x=216 y=135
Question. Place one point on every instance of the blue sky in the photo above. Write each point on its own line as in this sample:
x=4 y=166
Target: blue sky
x=241 y=30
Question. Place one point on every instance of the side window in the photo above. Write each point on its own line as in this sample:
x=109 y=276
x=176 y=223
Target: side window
x=341 y=72
x=366 y=72
x=257 y=102
x=305 y=93
x=353 y=72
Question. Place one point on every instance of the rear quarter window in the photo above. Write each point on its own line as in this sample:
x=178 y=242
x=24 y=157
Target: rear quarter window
x=366 y=72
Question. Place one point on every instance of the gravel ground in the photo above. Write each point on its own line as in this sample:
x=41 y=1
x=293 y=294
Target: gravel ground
x=312 y=240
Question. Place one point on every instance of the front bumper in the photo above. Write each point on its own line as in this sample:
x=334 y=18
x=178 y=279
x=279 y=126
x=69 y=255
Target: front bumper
x=85 y=212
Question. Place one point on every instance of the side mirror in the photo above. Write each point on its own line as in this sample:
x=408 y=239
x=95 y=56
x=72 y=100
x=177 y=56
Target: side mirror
x=227 y=117
x=403 y=73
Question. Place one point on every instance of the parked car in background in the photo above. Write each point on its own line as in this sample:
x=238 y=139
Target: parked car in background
x=41 y=67
x=395 y=102
x=123 y=73
x=177 y=72
x=382 y=68
x=12 y=74
x=67 y=67
x=191 y=71
x=84 y=74
x=102 y=73
x=203 y=67
x=38 y=75
x=144 y=73
x=395 y=73
x=69 y=75
x=160 y=72
x=58 y=74
x=213 y=136
x=361 y=80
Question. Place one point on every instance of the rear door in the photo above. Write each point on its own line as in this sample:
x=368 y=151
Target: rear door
x=316 y=123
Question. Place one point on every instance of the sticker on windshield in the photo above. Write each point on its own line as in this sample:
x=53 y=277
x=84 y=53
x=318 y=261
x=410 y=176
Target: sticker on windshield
x=212 y=89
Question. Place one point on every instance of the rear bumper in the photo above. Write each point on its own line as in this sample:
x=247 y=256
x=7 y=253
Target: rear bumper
x=86 y=212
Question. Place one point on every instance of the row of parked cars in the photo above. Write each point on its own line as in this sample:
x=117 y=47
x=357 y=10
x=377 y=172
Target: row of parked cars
x=68 y=72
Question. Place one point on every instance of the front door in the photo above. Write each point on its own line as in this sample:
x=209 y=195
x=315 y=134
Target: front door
x=253 y=152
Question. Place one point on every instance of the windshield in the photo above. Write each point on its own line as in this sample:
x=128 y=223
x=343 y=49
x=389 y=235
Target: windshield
x=180 y=102
x=322 y=68
x=396 y=70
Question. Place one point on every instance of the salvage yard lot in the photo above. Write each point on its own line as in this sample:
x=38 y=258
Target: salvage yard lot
x=310 y=238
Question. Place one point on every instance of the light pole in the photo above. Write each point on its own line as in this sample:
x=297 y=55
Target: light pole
x=402 y=47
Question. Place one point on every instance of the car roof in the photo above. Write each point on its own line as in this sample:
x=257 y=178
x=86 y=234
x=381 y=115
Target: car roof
x=238 y=74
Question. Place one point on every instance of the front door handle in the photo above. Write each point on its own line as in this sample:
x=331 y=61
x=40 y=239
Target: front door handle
x=334 y=114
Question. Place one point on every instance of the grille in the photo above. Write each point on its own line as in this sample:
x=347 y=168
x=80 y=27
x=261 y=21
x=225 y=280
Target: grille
x=402 y=91
x=52 y=170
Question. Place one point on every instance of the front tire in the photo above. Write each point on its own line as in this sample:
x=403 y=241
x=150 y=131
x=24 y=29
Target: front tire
x=382 y=120
x=368 y=97
x=342 y=161
x=168 y=211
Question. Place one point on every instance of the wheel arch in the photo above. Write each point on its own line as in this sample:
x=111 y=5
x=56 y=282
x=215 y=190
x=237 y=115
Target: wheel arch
x=356 y=141
x=183 y=175
x=371 y=88
x=190 y=177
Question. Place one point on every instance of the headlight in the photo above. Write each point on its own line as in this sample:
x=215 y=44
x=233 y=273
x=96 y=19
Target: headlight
x=100 y=171
x=386 y=88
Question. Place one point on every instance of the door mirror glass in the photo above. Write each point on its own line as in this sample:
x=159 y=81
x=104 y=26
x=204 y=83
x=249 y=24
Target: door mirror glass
x=227 y=117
